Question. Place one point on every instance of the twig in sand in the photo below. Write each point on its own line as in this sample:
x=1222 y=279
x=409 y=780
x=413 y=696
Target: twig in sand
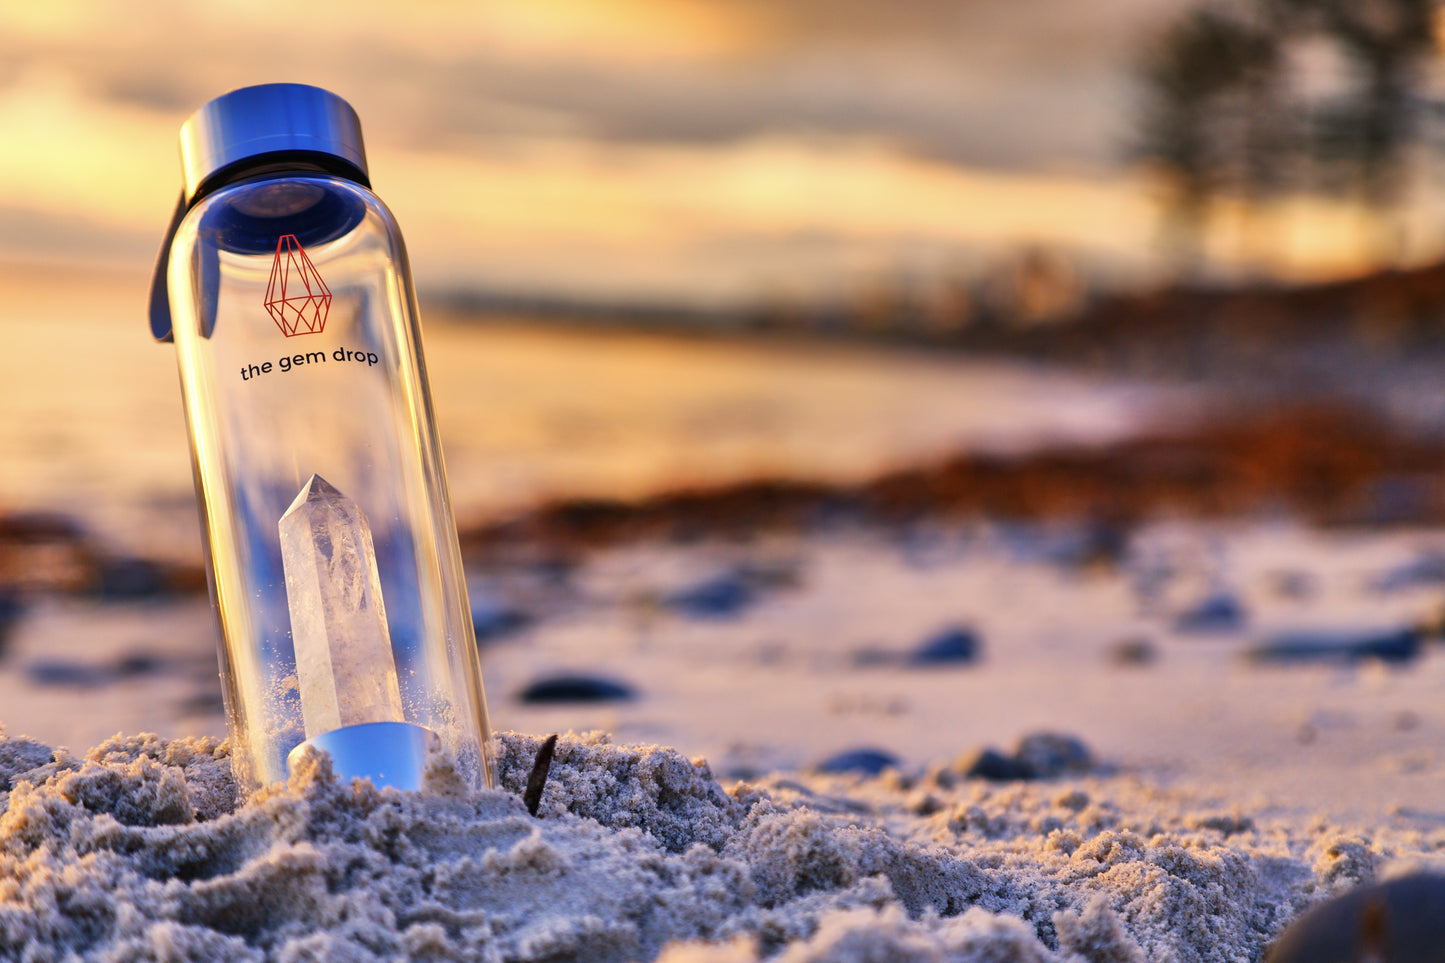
x=537 y=780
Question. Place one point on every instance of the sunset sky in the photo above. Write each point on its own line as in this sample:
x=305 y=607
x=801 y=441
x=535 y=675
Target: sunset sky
x=702 y=152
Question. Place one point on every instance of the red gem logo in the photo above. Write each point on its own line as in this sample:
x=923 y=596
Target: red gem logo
x=297 y=299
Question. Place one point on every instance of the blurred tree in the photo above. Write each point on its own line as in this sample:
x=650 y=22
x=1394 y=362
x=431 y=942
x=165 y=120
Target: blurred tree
x=1211 y=117
x=1368 y=134
x=1227 y=114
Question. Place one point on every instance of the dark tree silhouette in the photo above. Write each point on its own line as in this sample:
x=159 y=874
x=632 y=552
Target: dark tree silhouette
x=1223 y=115
x=1390 y=42
x=1212 y=114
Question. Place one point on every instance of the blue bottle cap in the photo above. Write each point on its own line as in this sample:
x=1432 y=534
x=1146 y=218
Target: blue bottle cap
x=268 y=119
x=245 y=129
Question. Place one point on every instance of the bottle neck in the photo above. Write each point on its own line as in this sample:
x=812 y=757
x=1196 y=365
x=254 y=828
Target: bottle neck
x=273 y=164
x=279 y=164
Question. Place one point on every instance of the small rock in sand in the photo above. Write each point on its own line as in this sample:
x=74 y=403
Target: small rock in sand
x=1219 y=611
x=127 y=579
x=1047 y=755
x=206 y=703
x=1132 y=651
x=82 y=675
x=990 y=764
x=138 y=664
x=955 y=645
x=1425 y=570
x=65 y=674
x=869 y=762
x=491 y=619
x=569 y=689
x=1396 y=646
x=12 y=609
x=720 y=597
x=1399 y=921
x=1039 y=755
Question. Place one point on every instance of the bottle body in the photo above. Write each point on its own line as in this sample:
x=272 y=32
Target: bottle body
x=299 y=350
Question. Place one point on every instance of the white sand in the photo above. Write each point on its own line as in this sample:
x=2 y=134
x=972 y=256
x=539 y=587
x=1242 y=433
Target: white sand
x=1229 y=796
x=791 y=680
x=135 y=852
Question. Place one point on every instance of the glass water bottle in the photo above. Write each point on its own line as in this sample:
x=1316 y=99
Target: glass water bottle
x=332 y=552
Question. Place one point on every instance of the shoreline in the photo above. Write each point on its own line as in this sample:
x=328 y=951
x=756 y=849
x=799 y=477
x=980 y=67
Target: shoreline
x=1329 y=466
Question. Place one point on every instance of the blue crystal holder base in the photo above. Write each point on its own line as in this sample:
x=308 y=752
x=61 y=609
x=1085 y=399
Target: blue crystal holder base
x=388 y=753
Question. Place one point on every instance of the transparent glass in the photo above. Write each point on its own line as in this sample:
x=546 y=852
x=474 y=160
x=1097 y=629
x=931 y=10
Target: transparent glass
x=330 y=383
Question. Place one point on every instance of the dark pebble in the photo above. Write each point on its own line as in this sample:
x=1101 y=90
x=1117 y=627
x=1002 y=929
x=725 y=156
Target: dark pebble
x=71 y=675
x=555 y=570
x=1132 y=652
x=1102 y=543
x=992 y=765
x=79 y=675
x=138 y=663
x=208 y=703
x=1046 y=755
x=124 y=579
x=925 y=805
x=868 y=762
x=1396 y=646
x=720 y=597
x=1400 y=921
x=1219 y=612
x=12 y=610
x=561 y=689
x=491 y=620
x=1426 y=570
x=956 y=645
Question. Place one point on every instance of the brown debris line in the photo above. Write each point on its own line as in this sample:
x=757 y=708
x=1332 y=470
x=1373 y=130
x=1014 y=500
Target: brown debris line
x=1330 y=466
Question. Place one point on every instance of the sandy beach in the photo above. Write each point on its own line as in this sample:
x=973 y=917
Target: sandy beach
x=135 y=851
x=997 y=672
x=933 y=482
x=784 y=760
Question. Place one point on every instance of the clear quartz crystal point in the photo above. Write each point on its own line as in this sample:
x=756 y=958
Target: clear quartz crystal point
x=344 y=664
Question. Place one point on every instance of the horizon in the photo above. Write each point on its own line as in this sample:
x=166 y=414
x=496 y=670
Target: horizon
x=701 y=155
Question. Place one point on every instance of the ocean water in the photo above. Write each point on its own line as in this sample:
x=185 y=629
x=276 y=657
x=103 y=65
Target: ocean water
x=93 y=424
